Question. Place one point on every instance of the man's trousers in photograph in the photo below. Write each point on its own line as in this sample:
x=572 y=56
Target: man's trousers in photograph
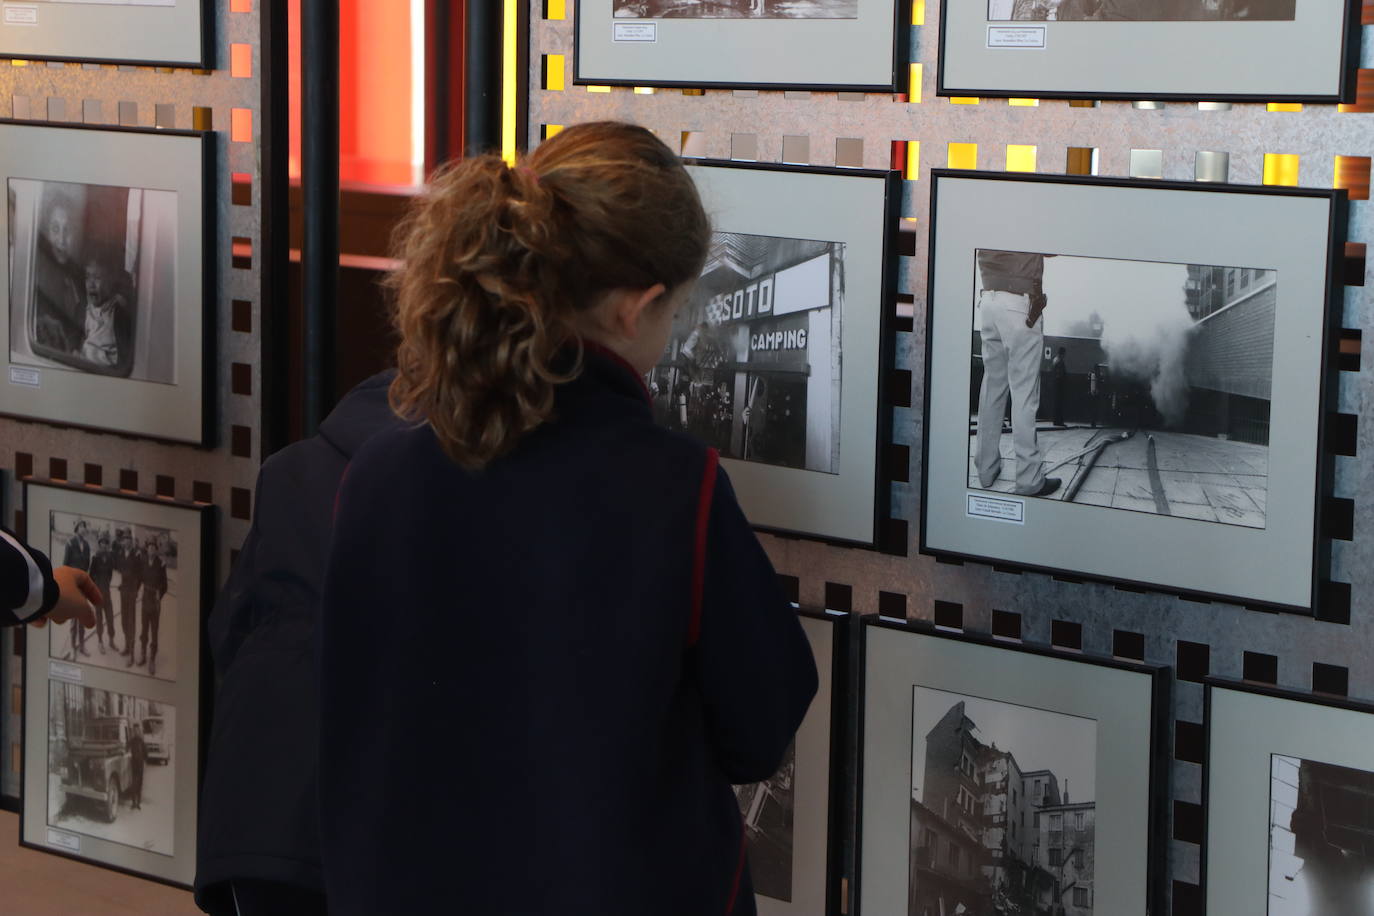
x=152 y=620
x=1011 y=366
x=104 y=614
x=128 y=618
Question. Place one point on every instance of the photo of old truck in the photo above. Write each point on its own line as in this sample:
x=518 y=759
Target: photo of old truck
x=99 y=764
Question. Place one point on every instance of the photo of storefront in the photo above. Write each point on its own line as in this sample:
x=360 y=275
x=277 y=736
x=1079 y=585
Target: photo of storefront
x=753 y=364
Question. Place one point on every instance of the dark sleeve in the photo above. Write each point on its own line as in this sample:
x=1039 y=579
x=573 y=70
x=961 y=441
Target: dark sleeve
x=27 y=588
x=232 y=618
x=757 y=671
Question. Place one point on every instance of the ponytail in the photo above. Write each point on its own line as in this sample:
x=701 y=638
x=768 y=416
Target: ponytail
x=500 y=262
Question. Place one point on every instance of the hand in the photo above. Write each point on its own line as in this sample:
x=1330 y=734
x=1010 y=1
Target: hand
x=1038 y=301
x=76 y=593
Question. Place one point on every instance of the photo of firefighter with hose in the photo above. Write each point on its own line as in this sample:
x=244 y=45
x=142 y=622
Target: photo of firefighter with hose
x=1136 y=385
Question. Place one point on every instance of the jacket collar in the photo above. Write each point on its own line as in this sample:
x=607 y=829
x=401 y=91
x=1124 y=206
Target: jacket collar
x=606 y=367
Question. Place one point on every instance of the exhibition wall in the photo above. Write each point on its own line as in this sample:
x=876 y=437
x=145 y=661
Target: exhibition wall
x=207 y=467
x=1244 y=142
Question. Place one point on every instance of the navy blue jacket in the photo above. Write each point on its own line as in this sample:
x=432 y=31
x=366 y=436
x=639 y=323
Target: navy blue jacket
x=258 y=814
x=540 y=680
x=27 y=588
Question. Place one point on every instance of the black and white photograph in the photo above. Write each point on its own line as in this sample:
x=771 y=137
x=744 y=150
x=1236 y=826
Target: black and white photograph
x=1002 y=808
x=111 y=766
x=135 y=567
x=97 y=293
x=109 y=288
x=1135 y=385
x=999 y=779
x=1165 y=50
x=753 y=366
x=834 y=45
x=1126 y=379
x=114 y=2
x=737 y=9
x=1321 y=839
x=153 y=32
x=767 y=811
x=1140 y=10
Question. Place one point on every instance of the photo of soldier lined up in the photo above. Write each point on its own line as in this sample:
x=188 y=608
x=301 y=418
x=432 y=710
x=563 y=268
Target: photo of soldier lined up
x=752 y=366
x=1141 y=10
x=135 y=567
x=735 y=9
x=1135 y=385
x=111 y=766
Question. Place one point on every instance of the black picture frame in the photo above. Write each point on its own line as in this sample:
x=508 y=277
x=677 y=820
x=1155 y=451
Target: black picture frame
x=818 y=804
x=891 y=81
x=1340 y=87
x=774 y=496
x=1157 y=685
x=1277 y=735
x=1322 y=300
x=191 y=693
x=184 y=408
x=181 y=35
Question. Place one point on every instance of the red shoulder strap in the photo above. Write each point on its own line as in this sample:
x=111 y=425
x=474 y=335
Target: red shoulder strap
x=707 y=493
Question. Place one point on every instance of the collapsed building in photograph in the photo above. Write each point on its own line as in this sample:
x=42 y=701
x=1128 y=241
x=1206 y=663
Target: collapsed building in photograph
x=992 y=838
x=753 y=363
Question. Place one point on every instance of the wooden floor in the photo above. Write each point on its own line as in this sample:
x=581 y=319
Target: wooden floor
x=37 y=884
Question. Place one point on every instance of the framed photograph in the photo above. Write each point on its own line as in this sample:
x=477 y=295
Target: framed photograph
x=164 y=33
x=110 y=279
x=1103 y=374
x=999 y=778
x=1198 y=50
x=113 y=713
x=793 y=852
x=777 y=358
x=856 y=45
x=1290 y=805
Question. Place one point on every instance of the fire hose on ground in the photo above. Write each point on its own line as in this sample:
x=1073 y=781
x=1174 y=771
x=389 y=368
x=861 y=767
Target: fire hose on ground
x=1090 y=456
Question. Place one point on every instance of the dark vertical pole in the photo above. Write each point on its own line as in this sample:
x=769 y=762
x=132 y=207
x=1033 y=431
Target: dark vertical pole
x=320 y=190
x=482 y=77
x=274 y=203
x=441 y=110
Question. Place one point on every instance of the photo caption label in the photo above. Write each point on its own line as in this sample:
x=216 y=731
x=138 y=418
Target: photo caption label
x=29 y=378
x=1017 y=36
x=63 y=840
x=634 y=31
x=20 y=15
x=1011 y=511
x=64 y=671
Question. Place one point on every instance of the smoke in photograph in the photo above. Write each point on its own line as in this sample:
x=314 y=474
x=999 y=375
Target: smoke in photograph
x=1144 y=385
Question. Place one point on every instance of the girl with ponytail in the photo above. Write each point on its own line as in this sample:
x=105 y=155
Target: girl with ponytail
x=550 y=640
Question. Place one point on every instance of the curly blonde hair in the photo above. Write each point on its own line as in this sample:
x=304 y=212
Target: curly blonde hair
x=499 y=262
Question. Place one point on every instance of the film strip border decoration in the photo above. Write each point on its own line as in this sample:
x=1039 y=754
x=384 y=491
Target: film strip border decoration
x=1244 y=143
x=225 y=100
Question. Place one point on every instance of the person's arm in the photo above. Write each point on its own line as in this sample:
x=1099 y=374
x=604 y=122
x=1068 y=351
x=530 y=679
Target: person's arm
x=31 y=590
x=757 y=671
x=27 y=587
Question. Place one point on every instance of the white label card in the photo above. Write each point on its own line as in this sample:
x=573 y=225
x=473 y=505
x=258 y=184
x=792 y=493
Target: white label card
x=634 y=31
x=1011 y=511
x=1016 y=36
x=68 y=841
x=28 y=377
x=64 y=671
x=20 y=15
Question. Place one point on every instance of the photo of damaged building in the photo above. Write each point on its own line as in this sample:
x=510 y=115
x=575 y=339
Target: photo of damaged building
x=753 y=363
x=991 y=839
x=1154 y=389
